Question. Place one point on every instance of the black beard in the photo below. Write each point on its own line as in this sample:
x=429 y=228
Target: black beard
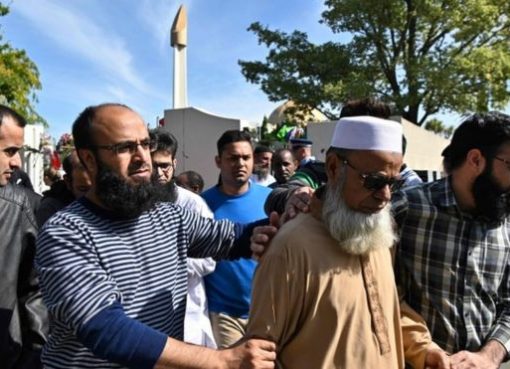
x=492 y=202
x=166 y=192
x=121 y=197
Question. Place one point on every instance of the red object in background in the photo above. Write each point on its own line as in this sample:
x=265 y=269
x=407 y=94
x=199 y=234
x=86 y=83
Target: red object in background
x=55 y=160
x=161 y=122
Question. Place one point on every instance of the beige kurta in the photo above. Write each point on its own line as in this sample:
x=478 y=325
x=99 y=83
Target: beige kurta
x=328 y=309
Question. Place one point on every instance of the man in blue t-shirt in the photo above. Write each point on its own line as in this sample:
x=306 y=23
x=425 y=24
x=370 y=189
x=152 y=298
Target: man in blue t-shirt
x=235 y=198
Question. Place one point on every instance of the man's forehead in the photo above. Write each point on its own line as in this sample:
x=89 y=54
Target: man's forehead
x=162 y=155
x=119 y=122
x=11 y=134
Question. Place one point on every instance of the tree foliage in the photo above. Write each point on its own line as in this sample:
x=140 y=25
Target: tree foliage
x=438 y=127
x=19 y=79
x=424 y=56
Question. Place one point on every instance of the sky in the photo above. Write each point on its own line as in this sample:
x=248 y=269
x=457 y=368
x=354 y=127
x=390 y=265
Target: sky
x=94 y=51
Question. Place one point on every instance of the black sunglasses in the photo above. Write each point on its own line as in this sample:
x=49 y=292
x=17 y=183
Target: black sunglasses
x=128 y=146
x=375 y=181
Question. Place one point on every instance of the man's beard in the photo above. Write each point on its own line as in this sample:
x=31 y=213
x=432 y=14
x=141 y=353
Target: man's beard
x=491 y=201
x=357 y=233
x=167 y=191
x=128 y=200
x=261 y=172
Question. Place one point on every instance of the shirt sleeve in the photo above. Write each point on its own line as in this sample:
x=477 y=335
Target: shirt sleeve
x=277 y=285
x=415 y=335
x=501 y=328
x=112 y=335
x=399 y=207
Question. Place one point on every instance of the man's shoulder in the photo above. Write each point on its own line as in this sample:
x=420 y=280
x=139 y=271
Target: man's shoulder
x=426 y=190
x=14 y=195
x=259 y=189
x=428 y=195
x=295 y=235
x=190 y=200
x=210 y=193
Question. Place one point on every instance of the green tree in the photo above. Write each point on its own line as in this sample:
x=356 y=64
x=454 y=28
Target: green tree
x=437 y=126
x=424 y=56
x=19 y=79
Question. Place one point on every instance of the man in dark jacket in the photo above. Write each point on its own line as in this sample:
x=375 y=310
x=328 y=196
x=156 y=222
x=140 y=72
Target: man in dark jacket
x=75 y=184
x=23 y=317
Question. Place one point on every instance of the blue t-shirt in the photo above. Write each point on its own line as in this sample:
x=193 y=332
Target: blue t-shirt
x=228 y=288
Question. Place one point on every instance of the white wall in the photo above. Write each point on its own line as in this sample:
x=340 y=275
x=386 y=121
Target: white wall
x=33 y=162
x=196 y=132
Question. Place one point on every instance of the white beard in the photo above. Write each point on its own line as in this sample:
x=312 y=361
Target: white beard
x=357 y=233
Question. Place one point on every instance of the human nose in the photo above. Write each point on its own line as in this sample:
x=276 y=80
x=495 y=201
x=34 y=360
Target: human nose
x=15 y=161
x=384 y=193
x=141 y=153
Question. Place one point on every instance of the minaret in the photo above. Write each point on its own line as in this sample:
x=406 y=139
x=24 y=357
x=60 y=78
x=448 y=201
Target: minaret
x=178 y=40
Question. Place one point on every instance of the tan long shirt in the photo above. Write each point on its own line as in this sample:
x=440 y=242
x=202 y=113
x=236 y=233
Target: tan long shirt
x=327 y=309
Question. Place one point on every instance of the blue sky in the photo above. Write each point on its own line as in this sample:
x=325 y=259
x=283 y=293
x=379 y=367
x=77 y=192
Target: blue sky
x=93 y=51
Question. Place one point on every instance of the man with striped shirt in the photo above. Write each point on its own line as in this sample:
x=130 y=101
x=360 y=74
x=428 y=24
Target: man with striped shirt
x=113 y=264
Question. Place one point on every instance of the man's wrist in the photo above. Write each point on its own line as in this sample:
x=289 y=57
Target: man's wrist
x=494 y=351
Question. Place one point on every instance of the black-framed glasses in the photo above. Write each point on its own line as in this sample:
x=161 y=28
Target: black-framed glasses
x=376 y=181
x=506 y=162
x=128 y=146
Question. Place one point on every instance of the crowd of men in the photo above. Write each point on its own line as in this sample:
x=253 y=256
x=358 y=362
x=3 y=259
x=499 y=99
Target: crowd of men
x=359 y=266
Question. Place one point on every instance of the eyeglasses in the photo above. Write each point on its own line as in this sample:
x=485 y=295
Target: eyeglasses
x=506 y=162
x=165 y=167
x=128 y=146
x=375 y=181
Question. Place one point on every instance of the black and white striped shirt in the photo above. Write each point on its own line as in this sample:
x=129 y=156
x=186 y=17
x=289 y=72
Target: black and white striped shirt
x=88 y=260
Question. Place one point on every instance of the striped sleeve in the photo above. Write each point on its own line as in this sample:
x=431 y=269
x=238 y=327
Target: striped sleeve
x=208 y=237
x=75 y=286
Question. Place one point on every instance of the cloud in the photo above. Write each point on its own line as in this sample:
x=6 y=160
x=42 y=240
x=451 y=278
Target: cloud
x=72 y=31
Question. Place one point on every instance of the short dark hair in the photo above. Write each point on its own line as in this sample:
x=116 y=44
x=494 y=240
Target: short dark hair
x=67 y=165
x=194 y=179
x=367 y=106
x=485 y=131
x=165 y=141
x=5 y=111
x=231 y=136
x=82 y=126
x=262 y=149
x=278 y=152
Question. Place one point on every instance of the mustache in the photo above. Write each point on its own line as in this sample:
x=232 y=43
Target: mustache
x=134 y=167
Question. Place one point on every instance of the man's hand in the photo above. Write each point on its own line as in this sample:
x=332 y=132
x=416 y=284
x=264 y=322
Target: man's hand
x=253 y=353
x=299 y=202
x=489 y=357
x=437 y=359
x=262 y=236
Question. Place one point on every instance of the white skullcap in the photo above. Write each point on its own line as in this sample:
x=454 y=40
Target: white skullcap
x=367 y=133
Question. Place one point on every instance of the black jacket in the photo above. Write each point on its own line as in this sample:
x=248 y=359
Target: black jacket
x=23 y=316
x=55 y=199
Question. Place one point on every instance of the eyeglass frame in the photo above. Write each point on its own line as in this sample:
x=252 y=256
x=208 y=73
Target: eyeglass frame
x=131 y=146
x=394 y=183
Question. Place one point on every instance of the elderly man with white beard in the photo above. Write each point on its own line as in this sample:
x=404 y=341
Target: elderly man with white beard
x=325 y=292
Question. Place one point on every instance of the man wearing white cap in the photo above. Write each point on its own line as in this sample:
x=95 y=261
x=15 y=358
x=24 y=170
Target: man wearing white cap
x=325 y=291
